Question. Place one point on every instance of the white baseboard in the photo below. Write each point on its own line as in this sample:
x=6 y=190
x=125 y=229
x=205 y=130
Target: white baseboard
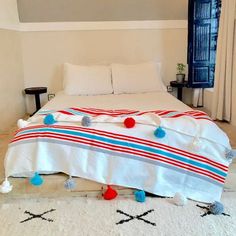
x=99 y=25
x=10 y=27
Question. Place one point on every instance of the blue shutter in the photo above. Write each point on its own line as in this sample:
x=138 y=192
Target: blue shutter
x=203 y=23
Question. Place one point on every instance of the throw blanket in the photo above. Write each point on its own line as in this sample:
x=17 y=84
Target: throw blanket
x=191 y=158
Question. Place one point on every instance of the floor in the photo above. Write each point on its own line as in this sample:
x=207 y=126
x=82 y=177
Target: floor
x=54 y=184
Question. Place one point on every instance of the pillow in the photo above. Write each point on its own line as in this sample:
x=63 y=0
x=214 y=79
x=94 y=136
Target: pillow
x=87 y=80
x=145 y=77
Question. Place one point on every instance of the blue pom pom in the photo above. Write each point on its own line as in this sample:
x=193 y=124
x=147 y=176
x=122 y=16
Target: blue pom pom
x=230 y=154
x=140 y=196
x=36 y=180
x=159 y=132
x=70 y=184
x=216 y=208
x=86 y=121
x=49 y=120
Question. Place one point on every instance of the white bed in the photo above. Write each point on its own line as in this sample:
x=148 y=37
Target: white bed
x=191 y=157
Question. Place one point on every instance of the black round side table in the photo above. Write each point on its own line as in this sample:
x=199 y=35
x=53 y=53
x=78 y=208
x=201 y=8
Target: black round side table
x=180 y=87
x=36 y=91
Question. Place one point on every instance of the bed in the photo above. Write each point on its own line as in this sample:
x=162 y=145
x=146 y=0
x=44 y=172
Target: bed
x=192 y=157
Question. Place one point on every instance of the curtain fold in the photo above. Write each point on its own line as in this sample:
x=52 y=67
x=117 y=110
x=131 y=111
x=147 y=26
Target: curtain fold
x=198 y=97
x=222 y=95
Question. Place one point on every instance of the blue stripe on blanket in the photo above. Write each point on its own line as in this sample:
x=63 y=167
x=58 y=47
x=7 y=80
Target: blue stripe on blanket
x=129 y=145
x=132 y=156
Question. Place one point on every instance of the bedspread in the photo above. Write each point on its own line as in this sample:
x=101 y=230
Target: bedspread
x=190 y=158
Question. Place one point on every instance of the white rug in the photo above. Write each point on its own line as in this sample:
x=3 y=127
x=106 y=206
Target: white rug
x=90 y=216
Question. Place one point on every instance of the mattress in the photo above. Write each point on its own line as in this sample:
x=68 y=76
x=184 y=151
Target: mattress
x=140 y=101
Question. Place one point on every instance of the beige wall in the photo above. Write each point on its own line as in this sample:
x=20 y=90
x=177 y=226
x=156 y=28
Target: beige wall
x=101 y=10
x=12 y=104
x=11 y=79
x=45 y=52
x=8 y=12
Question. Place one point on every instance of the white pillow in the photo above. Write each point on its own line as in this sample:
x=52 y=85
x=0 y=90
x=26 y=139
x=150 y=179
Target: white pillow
x=87 y=80
x=139 y=78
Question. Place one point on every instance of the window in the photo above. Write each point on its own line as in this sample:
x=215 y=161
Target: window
x=203 y=24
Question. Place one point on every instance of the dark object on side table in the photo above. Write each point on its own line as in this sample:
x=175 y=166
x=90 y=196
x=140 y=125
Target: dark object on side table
x=36 y=91
x=180 y=87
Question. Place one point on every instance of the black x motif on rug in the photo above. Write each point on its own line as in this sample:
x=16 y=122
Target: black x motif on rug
x=138 y=217
x=33 y=216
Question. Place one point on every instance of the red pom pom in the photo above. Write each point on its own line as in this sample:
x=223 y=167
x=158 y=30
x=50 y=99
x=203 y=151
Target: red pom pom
x=129 y=122
x=110 y=193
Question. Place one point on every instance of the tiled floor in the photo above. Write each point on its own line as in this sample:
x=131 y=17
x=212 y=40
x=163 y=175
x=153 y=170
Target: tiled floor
x=54 y=184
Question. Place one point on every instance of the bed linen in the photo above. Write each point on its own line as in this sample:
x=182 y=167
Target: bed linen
x=190 y=159
x=139 y=101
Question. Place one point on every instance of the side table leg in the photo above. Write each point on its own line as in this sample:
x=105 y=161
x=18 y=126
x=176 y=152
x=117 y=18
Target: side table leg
x=37 y=102
x=179 y=94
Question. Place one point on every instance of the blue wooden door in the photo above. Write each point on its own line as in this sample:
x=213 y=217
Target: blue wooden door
x=203 y=24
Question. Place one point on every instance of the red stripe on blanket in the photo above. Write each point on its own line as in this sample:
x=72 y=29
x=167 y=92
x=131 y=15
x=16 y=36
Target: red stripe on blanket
x=137 y=140
x=104 y=112
x=66 y=112
x=122 y=149
x=94 y=111
x=161 y=146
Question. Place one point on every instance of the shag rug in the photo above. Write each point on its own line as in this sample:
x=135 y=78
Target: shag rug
x=121 y=216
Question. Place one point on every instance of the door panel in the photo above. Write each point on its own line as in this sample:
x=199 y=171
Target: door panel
x=202 y=10
x=201 y=43
x=203 y=23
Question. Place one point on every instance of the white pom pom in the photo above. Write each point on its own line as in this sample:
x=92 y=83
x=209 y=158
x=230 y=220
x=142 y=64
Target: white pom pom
x=5 y=187
x=22 y=123
x=179 y=199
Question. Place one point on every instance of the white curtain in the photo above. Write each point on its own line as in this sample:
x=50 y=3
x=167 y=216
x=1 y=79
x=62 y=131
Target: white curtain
x=198 y=97
x=222 y=95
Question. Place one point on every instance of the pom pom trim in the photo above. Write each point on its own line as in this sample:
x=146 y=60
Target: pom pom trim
x=110 y=193
x=86 y=121
x=36 y=180
x=129 y=122
x=140 y=196
x=70 y=183
x=49 y=120
x=216 y=208
x=159 y=132
x=5 y=187
x=179 y=199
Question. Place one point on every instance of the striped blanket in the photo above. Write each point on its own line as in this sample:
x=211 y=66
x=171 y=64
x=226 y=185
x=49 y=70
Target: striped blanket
x=190 y=159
